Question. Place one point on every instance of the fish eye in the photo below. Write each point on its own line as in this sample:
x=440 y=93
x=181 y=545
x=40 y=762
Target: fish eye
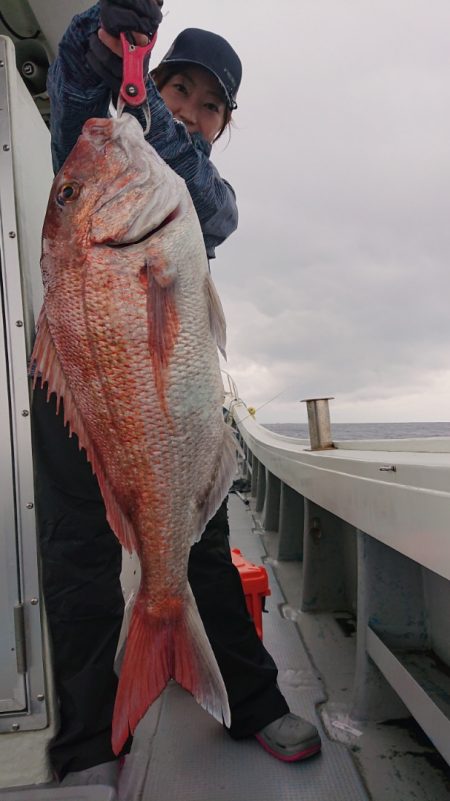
x=67 y=192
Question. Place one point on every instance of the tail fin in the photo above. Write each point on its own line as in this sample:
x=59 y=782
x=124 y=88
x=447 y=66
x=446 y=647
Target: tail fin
x=158 y=650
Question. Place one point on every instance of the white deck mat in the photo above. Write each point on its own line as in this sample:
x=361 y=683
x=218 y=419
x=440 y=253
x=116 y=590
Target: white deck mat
x=180 y=753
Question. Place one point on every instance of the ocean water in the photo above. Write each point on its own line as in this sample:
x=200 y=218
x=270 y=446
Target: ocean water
x=342 y=431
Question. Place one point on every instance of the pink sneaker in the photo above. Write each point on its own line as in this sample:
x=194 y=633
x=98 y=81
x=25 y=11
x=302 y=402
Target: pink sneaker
x=290 y=738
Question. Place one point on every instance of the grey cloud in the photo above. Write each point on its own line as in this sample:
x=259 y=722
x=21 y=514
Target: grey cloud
x=338 y=278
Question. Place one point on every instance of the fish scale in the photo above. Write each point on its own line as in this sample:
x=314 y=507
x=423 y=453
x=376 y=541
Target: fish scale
x=128 y=338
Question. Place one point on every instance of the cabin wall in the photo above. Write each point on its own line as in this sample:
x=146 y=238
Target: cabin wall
x=28 y=716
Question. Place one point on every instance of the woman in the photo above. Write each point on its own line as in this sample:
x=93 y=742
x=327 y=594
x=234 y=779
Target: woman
x=191 y=98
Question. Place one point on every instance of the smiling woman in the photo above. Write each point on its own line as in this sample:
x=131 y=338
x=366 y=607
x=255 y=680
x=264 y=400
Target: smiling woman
x=193 y=97
x=198 y=81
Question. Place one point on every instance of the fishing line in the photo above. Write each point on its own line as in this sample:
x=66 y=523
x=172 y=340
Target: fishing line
x=271 y=399
x=234 y=391
x=266 y=403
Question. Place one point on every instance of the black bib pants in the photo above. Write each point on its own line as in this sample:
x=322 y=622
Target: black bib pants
x=81 y=565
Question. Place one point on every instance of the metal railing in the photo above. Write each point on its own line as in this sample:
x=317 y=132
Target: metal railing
x=387 y=514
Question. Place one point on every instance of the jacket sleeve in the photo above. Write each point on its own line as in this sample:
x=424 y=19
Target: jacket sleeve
x=188 y=155
x=76 y=94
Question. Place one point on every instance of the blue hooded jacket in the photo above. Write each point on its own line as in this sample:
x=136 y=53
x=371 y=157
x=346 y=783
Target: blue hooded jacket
x=77 y=93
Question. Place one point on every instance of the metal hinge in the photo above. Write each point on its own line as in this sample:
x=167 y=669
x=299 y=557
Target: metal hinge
x=19 y=630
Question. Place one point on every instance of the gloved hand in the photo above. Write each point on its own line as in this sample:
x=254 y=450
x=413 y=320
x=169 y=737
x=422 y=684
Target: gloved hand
x=142 y=16
x=105 y=63
x=136 y=16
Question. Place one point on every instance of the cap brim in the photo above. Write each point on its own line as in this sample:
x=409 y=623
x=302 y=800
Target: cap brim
x=232 y=105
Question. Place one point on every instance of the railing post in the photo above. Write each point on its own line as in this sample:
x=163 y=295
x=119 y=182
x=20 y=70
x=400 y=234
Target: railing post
x=271 y=509
x=290 y=526
x=255 y=473
x=261 y=488
x=324 y=585
x=319 y=423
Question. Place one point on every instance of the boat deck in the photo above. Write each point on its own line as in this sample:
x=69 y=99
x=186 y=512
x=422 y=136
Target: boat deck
x=181 y=754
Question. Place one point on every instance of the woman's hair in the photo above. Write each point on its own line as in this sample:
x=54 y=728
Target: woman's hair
x=162 y=74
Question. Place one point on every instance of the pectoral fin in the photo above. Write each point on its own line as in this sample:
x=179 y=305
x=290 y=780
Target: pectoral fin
x=162 y=319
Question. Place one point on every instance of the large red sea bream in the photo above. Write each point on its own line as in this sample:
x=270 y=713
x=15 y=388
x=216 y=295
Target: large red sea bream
x=128 y=339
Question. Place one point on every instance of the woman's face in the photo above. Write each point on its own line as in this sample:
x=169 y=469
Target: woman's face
x=194 y=97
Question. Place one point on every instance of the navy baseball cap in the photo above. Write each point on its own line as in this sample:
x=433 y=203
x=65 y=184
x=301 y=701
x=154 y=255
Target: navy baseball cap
x=214 y=53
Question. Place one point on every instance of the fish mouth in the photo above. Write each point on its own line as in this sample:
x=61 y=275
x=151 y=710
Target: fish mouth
x=147 y=234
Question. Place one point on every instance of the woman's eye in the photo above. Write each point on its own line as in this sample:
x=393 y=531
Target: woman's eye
x=180 y=87
x=67 y=193
x=212 y=107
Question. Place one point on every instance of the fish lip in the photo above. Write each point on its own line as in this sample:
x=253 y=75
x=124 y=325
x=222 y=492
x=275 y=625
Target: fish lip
x=148 y=234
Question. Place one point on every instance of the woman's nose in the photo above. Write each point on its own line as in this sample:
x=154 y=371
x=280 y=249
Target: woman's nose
x=188 y=115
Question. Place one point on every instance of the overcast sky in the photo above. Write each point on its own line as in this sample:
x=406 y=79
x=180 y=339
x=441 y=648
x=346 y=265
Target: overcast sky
x=337 y=281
